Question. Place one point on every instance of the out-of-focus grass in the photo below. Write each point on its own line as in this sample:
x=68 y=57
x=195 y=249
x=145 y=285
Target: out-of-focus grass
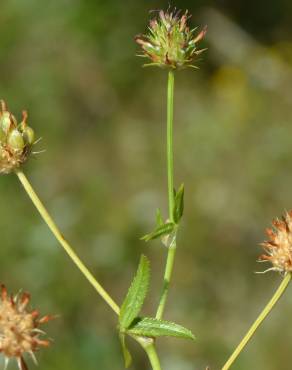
x=101 y=116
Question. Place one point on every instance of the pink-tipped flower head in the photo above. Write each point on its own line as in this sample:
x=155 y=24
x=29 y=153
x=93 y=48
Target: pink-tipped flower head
x=278 y=249
x=169 y=42
x=16 y=140
x=19 y=328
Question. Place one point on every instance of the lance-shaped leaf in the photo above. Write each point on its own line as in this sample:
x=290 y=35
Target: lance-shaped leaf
x=151 y=327
x=178 y=208
x=136 y=294
x=162 y=230
x=126 y=353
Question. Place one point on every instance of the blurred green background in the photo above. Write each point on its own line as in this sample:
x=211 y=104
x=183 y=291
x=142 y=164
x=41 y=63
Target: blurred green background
x=72 y=64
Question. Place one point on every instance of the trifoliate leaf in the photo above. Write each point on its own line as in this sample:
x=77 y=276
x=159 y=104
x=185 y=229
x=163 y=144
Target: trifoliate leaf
x=178 y=208
x=151 y=327
x=164 y=229
x=136 y=294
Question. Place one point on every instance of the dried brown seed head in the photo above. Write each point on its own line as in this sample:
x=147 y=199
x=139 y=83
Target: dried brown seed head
x=279 y=246
x=19 y=328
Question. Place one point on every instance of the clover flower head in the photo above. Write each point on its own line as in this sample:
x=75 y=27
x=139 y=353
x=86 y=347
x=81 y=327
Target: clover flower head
x=19 y=328
x=169 y=42
x=278 y=249
x=16 y=140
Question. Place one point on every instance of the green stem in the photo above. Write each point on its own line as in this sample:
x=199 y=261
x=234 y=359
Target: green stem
x=170 y=93
x=279 y=292
x=152 y=355
x=53 y=227
x=166 y=281
x=172 y=248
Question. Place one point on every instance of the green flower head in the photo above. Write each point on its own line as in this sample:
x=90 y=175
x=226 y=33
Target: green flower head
x=16 y=140
x=169 y=42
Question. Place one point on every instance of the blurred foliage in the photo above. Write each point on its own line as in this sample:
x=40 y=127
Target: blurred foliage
x=72 y=64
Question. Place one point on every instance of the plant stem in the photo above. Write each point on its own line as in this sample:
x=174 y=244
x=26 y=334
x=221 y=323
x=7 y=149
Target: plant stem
x=53 y=227
x=170 y=93
x=279 y=292
x=172 y=248
x=166 y=281
x=152 y=355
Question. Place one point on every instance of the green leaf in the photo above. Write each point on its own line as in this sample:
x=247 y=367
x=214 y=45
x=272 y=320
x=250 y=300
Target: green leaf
x=159 y=219
x=178 y=208
x=164 y=229
x=150 y=327
x=126 y=353
x=136 y=294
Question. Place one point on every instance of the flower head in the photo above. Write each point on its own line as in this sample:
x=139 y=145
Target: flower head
x=16 y=140
x=19 y=328
x=279 y=246
x=169 y=41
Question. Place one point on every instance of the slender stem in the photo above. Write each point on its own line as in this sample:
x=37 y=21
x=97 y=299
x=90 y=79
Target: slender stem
x=152 y=355
x=172 y=248
x=53 y=227
x=258 y=321
x=166 y=281
x=170 y=93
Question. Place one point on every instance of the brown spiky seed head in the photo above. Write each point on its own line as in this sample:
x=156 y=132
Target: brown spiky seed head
x=278 y=249
x=16 y=140
x=19 y=328
x=169 y=42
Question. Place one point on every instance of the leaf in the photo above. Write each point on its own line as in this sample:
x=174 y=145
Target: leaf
x=159 y=219
x=136 y=294
x=151 y=327
x=164 y=229
x=126 y=353
x=178 y=208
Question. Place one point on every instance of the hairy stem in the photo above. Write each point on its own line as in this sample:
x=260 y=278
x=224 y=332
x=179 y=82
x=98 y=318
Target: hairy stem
x=53 y=227
x=279 y=292
x=172 y=248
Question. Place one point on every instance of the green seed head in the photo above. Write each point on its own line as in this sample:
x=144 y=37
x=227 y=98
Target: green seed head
x=15 y=140
x=170 y=43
